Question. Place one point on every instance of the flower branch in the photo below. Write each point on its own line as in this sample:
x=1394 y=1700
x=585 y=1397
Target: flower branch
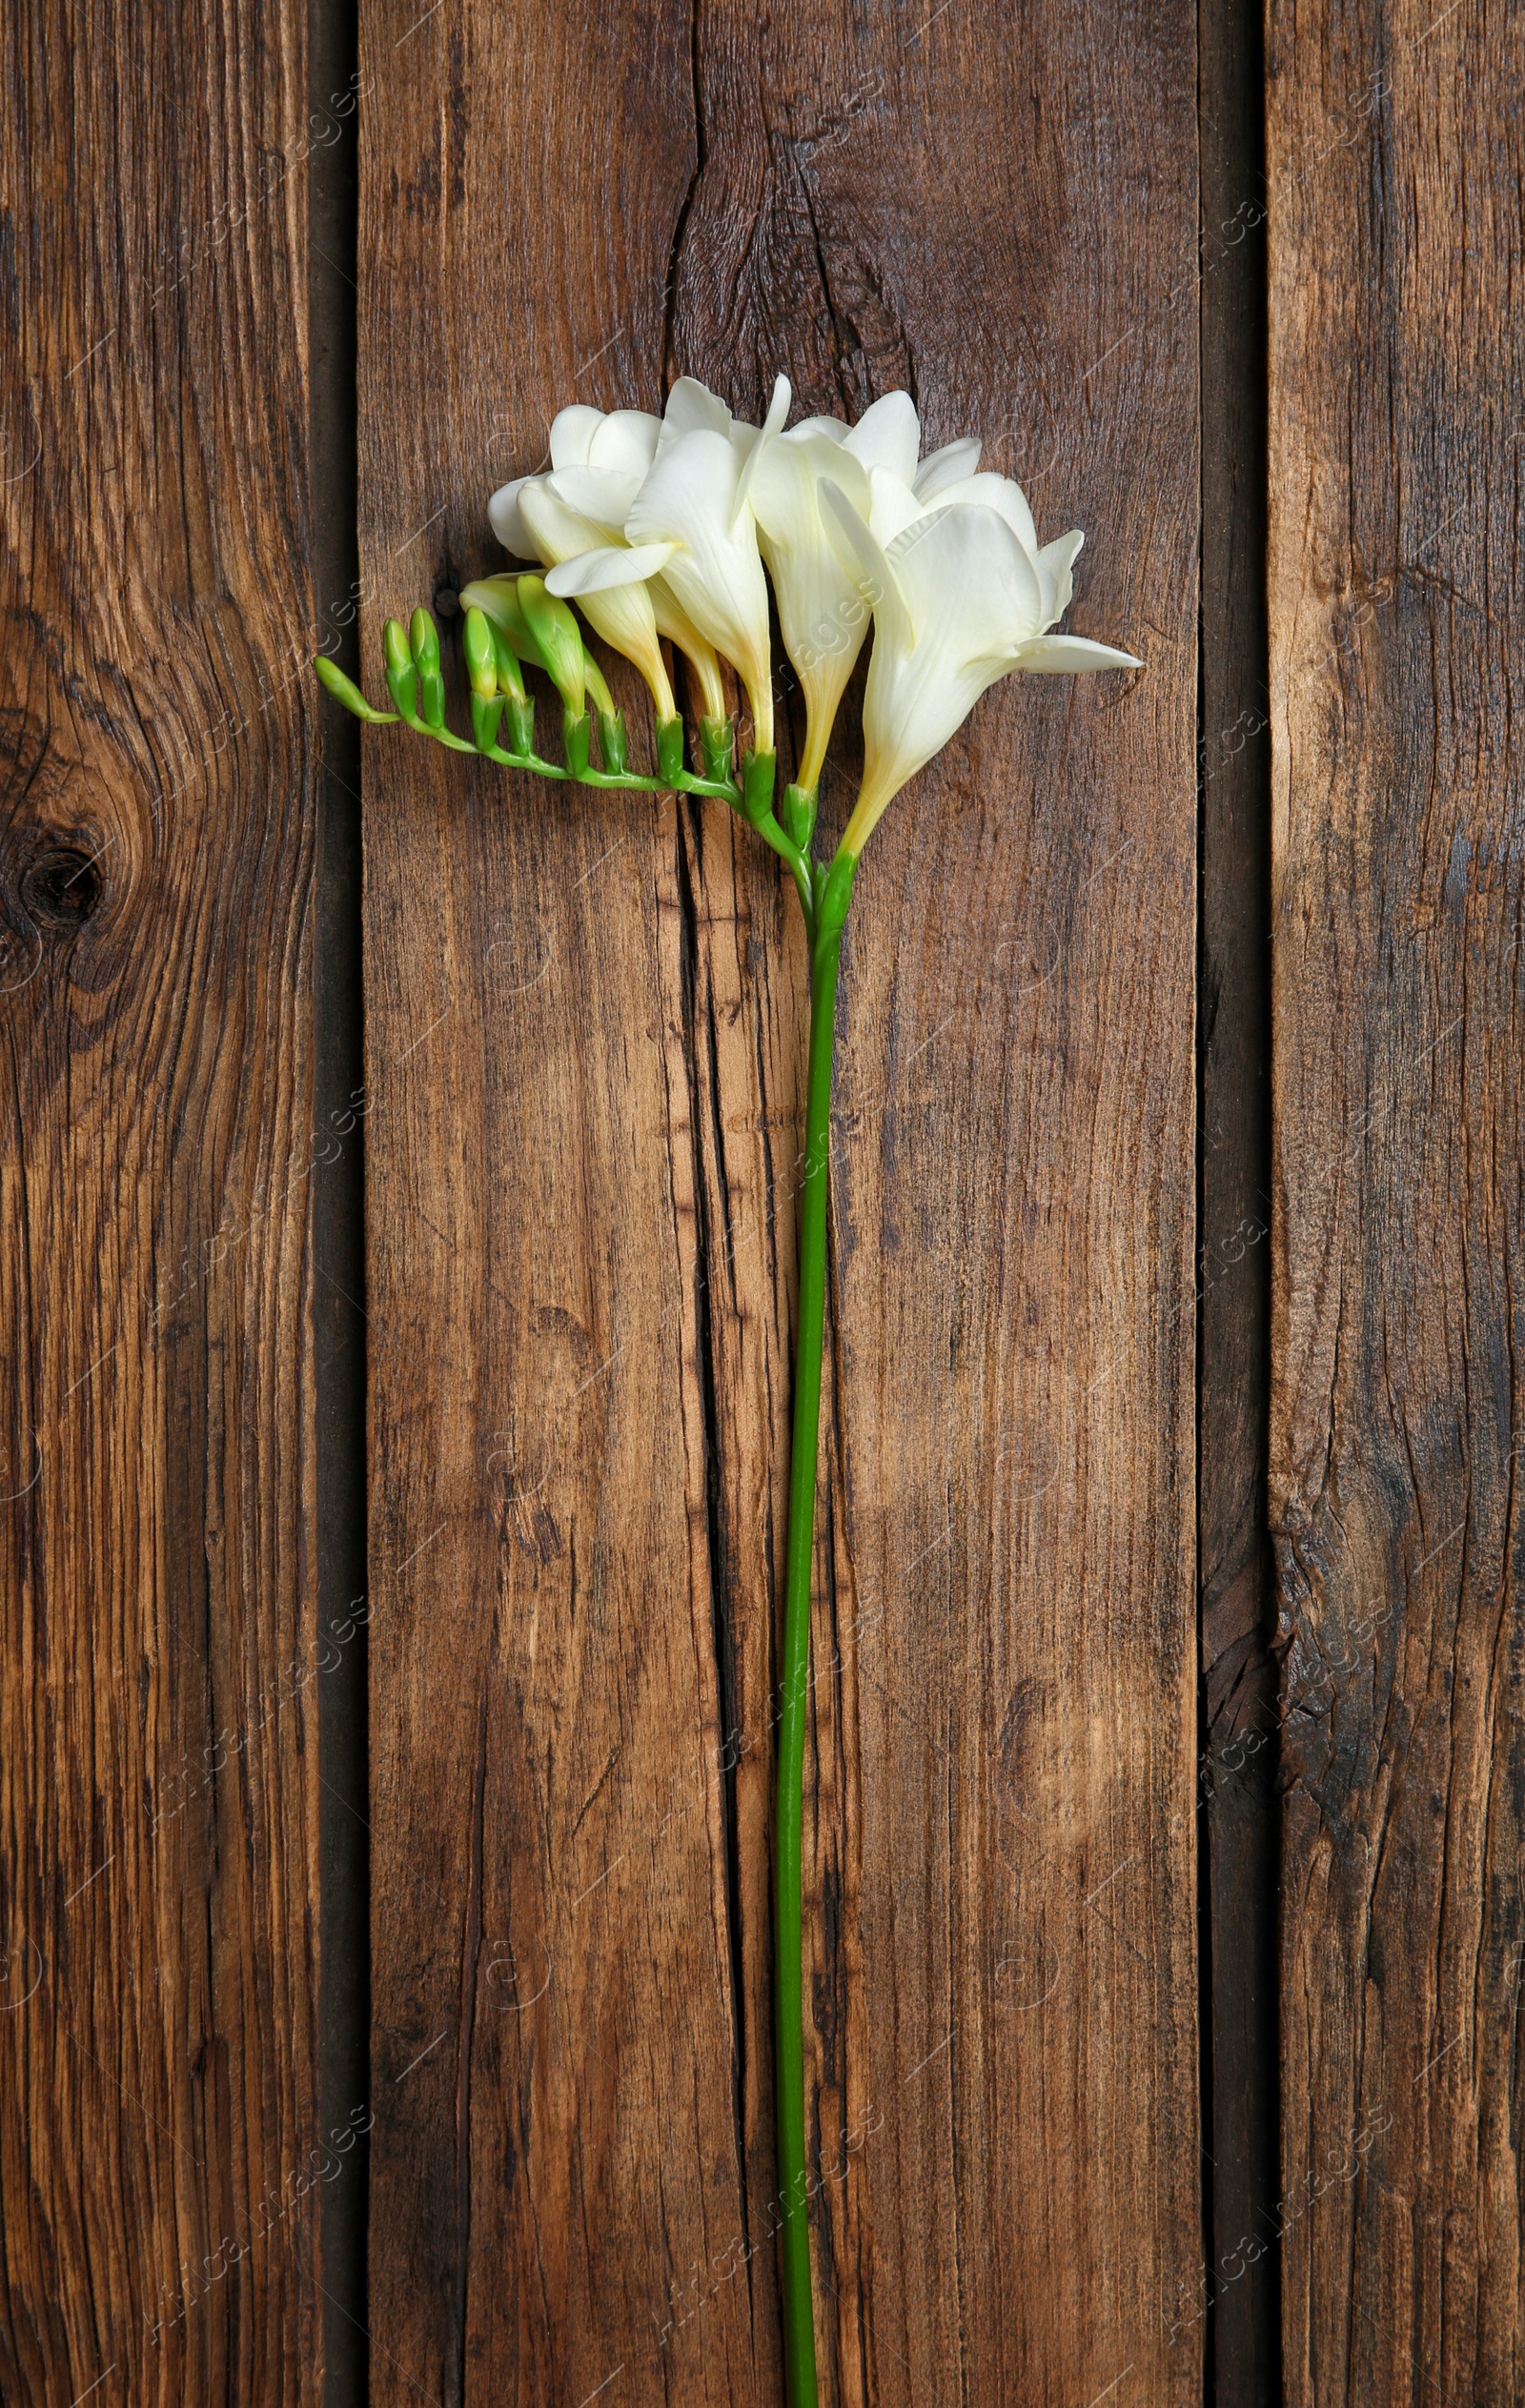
x=666 y=531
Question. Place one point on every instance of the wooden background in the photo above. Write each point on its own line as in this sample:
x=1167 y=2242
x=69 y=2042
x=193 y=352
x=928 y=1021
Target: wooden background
x=399 y=1186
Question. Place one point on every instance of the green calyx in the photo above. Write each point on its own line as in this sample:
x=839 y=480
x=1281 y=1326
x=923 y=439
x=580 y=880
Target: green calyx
x=670 y=750
x=797 y=815
x=758 y=774
x=715 y=747
x=833 y=895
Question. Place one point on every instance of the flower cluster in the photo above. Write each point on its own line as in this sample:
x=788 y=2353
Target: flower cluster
x=669 y=529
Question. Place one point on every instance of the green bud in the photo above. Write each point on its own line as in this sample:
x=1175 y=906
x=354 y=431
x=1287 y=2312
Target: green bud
x=602 y=698
x=756 y=786
x=344 y=690
x=519 y=713
x=498 y=597
x=797 y=814
x=423 y=639
x=482 y=661
x=834 y=894
x=577 y=736
x=510 y=674
x=402 y=678
x=485 y=713
x=715 y=744
x=669 y=751
x=556 y=640
x=611 y=748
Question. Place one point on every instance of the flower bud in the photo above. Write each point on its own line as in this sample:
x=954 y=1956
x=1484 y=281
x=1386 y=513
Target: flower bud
x=556 y=640
x=482 y=661
x=402 y=678
x=485 y=713
x=510 y=674
x=344 y=690
x=497 y=596
x=612 y=746
x=423 y=638
x=519 y=713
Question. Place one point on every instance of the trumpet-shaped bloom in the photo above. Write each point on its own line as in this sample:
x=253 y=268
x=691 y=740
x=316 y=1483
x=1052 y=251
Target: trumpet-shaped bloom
x=961 y=593
x=691 y=522
x=821 y=614
x=599 y=462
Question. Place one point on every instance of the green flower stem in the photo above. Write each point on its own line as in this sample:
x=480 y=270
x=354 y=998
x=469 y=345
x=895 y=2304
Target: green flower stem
x=799 y=2321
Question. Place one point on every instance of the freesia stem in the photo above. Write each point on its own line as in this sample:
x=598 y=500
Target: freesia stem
x=799 y=2323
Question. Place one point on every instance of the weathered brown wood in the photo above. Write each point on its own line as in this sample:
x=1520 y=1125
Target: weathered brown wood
x=159 y=1791
x=1397 y=404
x=585 y=1029
x=1239 y=2305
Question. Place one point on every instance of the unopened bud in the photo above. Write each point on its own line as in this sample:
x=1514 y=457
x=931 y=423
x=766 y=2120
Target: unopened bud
x=556 y=640
x=482 y=661
x=402 y=678
x=612 y=746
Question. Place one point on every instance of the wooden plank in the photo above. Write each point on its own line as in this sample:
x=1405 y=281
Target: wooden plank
x=159 y=1791
x=1394 y=149
x=1239 y=2305
x=585 y=1034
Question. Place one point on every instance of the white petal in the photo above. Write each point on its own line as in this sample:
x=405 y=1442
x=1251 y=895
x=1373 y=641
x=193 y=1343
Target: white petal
x=1064 y=655
x=572 y=433
x=946 y=467
x=836 y=428
x=557 y=532
x=689 y=501
x=1005 y=498
x=595 y=572
x=784 y=480
x=888 y=436
x=778 y=411
x=970 y=588
x=893 y=506
x=625 y=441
x=1055 y=561
x=600 y=494
x=506 y=524
x=691 y=406
x=865 y=563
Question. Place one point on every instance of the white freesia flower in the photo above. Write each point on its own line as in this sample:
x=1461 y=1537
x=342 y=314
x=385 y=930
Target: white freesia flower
x=691 y=522
x=822 y=615
x=599 y=462
x=961 y=593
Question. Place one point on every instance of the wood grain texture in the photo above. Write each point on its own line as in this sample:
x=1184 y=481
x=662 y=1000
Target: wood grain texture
x=1396 y=405
x=158 y=1795
x=585 y=1038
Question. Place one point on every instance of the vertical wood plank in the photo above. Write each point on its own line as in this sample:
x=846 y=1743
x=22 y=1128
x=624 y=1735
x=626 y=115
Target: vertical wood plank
x=158 y=1796
x=1397 y=408
x=585 y=1028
